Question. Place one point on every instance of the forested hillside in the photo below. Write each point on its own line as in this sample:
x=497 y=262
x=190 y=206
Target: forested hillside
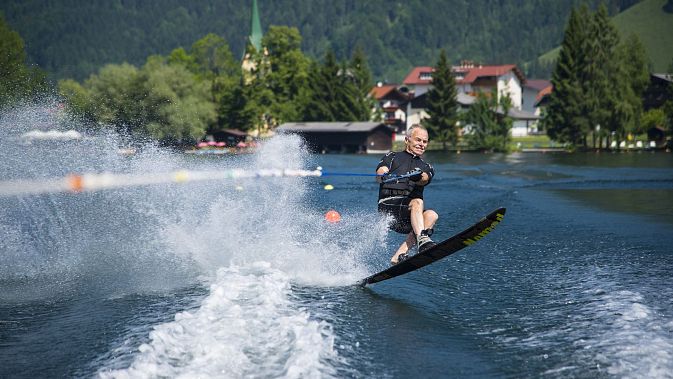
x=72 y=39
x=652 y=22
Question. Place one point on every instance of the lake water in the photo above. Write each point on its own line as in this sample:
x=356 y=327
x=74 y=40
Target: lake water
x=246 y=279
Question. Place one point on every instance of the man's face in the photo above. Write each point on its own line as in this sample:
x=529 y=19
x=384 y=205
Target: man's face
x=417 y=141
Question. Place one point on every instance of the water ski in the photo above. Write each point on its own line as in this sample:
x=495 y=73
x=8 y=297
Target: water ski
x=445 y=248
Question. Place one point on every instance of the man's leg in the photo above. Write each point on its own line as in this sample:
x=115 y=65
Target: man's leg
x=423 y=231
x=429 y=219
x=417 y=219
x=408 y=243
x=420 y=219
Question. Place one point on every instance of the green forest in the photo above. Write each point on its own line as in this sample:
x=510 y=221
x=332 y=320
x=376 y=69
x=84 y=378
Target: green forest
x=177 y=97
x=73 y=39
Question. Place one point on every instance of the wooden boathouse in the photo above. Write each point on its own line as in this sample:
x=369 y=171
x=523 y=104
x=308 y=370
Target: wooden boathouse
x=343 y=137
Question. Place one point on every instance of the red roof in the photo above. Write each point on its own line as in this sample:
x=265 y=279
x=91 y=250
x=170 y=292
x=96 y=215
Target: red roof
x=471 y=73
x=380 y=91
x=484 y=71
x=537 y=84
x=542 y=94
x=414 y=77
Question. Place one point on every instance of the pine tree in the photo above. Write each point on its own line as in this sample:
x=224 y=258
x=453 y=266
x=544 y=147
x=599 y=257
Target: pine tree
x=333 y=93
x=363 y=82
x=599 y=75
x=323 y=87
x=631 y=79
x=442 y=105
x=563 y=115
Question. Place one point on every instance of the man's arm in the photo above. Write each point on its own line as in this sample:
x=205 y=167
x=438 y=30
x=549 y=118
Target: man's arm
x=426 y=175
x=381 y=170
x=425 y=179
x=384 y=164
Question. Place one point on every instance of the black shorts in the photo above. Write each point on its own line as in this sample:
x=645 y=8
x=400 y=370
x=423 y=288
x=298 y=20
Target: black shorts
x=398 y=208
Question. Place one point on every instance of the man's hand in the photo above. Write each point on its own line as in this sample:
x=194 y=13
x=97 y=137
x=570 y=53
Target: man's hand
x=417 y=176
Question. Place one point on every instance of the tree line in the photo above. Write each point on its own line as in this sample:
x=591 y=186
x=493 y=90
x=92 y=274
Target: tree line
x=597 y=98
x=18 y=81
x=598 y=82
x=180 y=97
x=72 y=39
x=177 y=98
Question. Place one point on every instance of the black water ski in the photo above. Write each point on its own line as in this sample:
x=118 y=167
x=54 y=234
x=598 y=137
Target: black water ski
x=443 y=249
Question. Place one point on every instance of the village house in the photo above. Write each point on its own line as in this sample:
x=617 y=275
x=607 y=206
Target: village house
x=658 y=91
x=532 y=91
x=542 y=98
x=471 y=80
x=391 y=102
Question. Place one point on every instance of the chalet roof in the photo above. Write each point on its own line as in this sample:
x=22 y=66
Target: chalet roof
x=491 y=71
x=299 y=127
x=666 y=77
x=519 y=114
x=537 y=84
x=422 y=74
x=388 y=91
x=543 y=94
x=465 y=99
x=414 y=77
x=380 y=91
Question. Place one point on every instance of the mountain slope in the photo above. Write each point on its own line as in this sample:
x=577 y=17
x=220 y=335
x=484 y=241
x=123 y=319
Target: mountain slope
x=651 y=24
x=72 y=38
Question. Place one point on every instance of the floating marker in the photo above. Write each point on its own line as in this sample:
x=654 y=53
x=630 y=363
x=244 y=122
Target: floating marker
x=332 y=216
x=329 y=187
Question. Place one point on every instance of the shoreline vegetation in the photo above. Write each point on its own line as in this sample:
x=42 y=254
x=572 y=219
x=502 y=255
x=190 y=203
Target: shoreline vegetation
x=542 y=144
x=190 y=95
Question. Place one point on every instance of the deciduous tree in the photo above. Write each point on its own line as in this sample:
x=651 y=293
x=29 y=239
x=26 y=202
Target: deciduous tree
x=17 y=80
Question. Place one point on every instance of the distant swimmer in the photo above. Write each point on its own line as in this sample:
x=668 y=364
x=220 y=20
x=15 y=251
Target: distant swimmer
x=404 y=176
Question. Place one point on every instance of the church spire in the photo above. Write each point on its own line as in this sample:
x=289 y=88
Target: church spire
x=256 y=28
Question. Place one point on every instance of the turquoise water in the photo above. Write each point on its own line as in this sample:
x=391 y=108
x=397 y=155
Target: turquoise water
x=246 y=279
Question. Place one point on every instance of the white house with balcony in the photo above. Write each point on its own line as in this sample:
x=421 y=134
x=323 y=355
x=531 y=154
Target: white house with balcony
x=391 y=103
x=471 y=80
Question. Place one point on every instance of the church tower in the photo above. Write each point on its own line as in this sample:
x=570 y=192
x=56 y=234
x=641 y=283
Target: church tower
x=254 y=40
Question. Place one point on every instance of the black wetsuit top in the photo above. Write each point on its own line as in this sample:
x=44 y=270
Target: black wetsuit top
x=394 y=198
x=401 y=163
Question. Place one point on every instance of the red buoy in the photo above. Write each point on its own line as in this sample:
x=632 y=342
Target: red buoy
x=332 y=216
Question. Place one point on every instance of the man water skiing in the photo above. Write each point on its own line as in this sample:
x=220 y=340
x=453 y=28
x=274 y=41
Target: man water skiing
x=402 y=198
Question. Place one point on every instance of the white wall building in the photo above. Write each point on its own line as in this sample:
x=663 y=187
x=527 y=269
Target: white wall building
x=471 y=80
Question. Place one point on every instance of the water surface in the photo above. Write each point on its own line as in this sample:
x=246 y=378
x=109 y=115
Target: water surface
x=246 y=279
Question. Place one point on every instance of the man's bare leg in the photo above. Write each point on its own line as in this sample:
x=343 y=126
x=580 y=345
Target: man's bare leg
x=429 y=218
x=417 y=216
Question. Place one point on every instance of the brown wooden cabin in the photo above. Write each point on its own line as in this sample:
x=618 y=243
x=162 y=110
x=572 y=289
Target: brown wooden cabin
x=343 y=137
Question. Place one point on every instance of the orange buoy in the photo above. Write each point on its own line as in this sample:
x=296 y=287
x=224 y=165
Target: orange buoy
x=332 y=216
x=75 y=183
